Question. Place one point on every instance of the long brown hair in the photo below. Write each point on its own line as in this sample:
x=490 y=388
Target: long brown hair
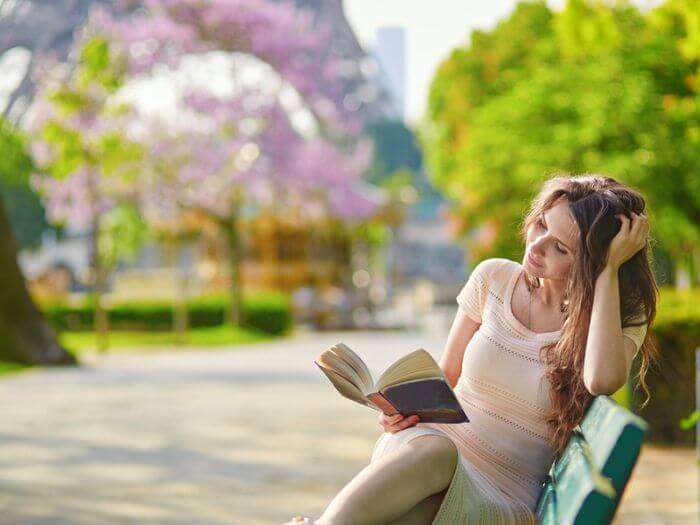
x=594 y=201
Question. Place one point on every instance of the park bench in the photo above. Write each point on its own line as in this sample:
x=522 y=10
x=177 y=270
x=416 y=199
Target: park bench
x=586 y=482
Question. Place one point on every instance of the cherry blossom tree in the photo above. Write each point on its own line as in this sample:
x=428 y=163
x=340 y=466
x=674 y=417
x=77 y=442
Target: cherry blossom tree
x=250 y=151
x=266 y=165
x=86 y=164
x=237 y=147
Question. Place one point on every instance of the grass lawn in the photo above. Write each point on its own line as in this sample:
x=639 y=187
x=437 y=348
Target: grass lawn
x=127 y=342
x=11 y=368
x=132 y=342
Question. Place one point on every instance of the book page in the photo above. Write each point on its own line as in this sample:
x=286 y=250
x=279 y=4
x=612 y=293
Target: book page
x=416 y=365
x=354 y=360
x=345 y=387
x=329 y=359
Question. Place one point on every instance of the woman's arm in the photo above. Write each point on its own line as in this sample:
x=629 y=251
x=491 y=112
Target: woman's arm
x=461 y=332
x=609 y=353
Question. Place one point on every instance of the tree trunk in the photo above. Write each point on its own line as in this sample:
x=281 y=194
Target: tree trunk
x=233 y=244
x=99 y=272
x=25 y=335
x=99 y=286
x=181 y=316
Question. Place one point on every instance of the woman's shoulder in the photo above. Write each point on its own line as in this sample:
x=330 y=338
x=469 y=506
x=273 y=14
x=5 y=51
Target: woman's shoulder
x=495 y=269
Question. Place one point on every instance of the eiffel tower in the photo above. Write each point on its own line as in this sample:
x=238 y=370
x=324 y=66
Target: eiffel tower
x=40 y=26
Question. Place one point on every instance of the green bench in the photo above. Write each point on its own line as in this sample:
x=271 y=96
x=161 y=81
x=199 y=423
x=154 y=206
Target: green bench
x=585 y=484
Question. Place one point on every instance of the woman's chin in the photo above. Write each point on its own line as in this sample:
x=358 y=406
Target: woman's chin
x=531 y=268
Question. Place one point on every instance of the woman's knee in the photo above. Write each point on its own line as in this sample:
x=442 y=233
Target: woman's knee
x=436 y=457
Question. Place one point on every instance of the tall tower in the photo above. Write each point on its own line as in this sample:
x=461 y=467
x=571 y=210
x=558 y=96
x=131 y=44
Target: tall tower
x=391 y=54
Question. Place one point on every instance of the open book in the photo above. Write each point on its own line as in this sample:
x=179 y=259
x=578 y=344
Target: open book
x=413 y=385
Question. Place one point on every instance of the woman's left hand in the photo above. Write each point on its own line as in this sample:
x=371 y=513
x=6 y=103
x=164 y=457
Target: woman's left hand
x=629 y=240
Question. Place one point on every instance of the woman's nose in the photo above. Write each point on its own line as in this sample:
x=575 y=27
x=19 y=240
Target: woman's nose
x=537 y=246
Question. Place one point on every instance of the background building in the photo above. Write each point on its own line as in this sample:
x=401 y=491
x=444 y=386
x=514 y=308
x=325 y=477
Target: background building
x=391 y=55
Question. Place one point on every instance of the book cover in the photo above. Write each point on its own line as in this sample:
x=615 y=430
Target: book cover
x=432 y=400
x=412 y=385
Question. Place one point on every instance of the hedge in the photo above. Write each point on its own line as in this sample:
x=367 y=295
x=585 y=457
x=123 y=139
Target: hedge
x=269 y=312
x=672 y=381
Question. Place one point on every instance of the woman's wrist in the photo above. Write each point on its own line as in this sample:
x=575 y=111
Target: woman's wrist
x=611 y=268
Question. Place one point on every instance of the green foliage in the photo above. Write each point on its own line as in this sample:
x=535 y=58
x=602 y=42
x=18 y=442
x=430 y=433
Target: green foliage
x=122 y=233
x=593 y=88
x=84 y=94
x=374 y=233
x=23 y=207
x=622 y=397
x=268 y=312
x=8 y=367
x=688 y=423
x=396 y=181
x=25 y=212
x=15 y=163
x=672 y=380
x=108 y=156
x=67 y=149
x=395 y=149
x=99 y=64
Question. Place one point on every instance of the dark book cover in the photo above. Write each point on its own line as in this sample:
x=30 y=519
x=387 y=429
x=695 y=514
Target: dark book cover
x=430 y=399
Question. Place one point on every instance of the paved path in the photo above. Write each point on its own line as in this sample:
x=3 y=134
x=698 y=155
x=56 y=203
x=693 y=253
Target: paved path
x=247 y=436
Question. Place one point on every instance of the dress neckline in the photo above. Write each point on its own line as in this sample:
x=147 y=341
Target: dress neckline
x=509 y=310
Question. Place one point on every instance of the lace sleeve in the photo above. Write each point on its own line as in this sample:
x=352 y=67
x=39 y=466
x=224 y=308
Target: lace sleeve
x=473 y=295
x=636 y=333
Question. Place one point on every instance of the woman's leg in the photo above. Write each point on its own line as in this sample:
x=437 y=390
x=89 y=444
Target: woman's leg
x=390 y=487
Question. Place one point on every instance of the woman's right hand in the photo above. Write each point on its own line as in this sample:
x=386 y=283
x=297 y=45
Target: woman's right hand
x=397 y=422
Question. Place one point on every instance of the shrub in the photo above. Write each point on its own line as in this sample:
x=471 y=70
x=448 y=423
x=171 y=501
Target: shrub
x=266 y=311
x=672 y=382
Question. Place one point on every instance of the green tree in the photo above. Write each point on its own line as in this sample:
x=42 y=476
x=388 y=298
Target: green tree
x=25 y=336
x=80 y=129
x=592 y=88
x=26 y=214
x=395 y=148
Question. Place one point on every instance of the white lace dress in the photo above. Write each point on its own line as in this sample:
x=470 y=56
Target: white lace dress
x=503 y=450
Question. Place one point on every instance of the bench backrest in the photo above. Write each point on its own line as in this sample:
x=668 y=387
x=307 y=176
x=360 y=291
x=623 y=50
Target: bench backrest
x=586 y=482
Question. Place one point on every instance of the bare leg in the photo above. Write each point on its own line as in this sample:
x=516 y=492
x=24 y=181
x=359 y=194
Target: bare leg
x=393 y=485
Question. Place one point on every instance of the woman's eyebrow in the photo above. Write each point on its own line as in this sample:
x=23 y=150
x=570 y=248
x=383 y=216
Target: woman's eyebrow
x=557 y=238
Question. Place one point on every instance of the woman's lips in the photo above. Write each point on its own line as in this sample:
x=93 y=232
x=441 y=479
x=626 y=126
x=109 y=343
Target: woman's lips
x=533 y=261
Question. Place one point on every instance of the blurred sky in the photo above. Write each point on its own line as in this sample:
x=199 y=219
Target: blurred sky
x=433 y=29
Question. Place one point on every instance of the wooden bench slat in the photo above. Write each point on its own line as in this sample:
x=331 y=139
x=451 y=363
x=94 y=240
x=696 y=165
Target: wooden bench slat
x=585 y=484
x=583 y=495
x=547 y=505
x=615 y=437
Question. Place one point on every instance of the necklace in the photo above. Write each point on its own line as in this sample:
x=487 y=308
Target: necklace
x=529 y=311
x=562 y=305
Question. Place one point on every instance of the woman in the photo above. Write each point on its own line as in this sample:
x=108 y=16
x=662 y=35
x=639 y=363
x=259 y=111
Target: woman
x=530 y=346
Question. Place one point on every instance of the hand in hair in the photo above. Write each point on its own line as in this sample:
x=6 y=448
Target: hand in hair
x=631 y=238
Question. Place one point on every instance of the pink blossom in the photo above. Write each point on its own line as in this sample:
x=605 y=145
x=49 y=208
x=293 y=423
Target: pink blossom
x=279 y=33
x=358 y=202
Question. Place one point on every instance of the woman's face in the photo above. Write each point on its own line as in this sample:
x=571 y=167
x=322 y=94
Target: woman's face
x=552 y=243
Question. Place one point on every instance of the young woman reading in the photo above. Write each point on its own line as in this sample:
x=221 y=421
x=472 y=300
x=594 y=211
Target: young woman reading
x=530 y=346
